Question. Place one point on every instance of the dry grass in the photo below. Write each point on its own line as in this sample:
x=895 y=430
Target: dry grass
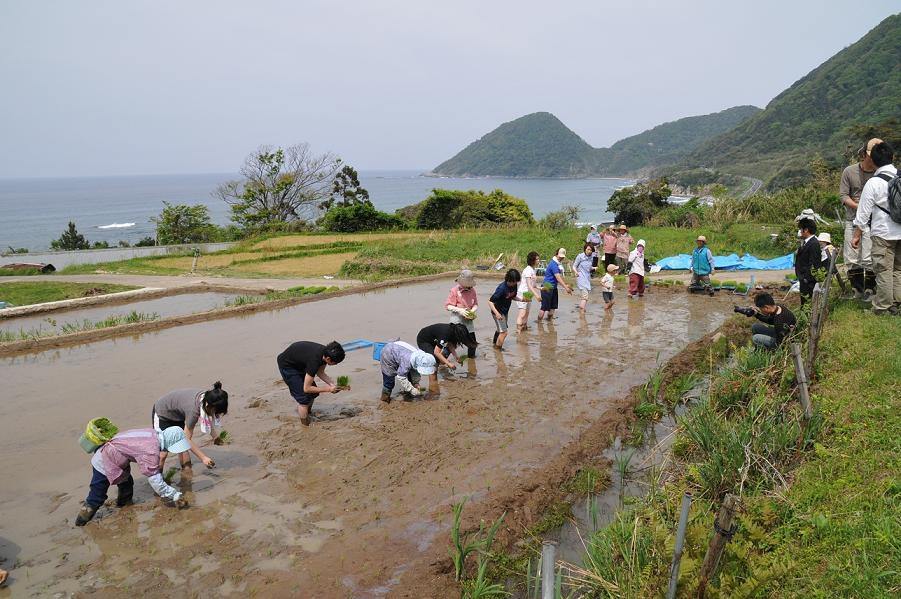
x=307 y=266
x=209 y=260
x=289 y=241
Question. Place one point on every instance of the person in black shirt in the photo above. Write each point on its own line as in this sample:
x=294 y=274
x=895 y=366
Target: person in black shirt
x=299 y=366
x=442 y=340
x=778 y=321
x=500 y=302
x=808 y=258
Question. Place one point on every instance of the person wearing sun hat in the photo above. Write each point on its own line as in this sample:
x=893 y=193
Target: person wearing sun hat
x=638 y=265
x=623 y=246
x=828 y=250
x=702 y=265
x=462 y=303
x=402 y=365
x=111 y=465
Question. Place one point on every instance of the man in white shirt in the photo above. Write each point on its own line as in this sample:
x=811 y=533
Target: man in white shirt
x=884 y=232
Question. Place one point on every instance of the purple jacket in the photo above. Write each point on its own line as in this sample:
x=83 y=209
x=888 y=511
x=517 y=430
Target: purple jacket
x=141 y=446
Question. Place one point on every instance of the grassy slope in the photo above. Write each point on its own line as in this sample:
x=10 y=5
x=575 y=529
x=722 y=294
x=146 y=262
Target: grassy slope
x=23 y=293
x=844 y=532
x=414 y=253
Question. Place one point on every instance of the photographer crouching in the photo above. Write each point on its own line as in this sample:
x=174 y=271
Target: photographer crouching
x=778 y=321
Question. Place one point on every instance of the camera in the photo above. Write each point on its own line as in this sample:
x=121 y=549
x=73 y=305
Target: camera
x=743 y=310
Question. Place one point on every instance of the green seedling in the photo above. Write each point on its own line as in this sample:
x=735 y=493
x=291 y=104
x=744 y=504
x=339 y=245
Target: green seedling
x=225 y=437
x=106 y=428
x=528 y=296
x=169 y=475
x=470 y=314
x=344 y=382
x=547 y=287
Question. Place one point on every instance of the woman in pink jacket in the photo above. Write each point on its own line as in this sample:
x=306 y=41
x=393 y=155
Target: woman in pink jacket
x=112 y=466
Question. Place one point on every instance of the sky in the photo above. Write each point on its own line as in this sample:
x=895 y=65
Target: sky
x=96 y=88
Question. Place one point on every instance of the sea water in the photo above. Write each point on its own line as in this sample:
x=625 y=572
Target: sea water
x=35 y=211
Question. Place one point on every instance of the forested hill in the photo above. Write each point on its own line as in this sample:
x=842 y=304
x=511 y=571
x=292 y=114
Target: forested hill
x=540 y=145
x=855 y=93
x=535 y=145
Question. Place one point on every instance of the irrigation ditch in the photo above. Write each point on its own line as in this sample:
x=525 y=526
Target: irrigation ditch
x=606 y=521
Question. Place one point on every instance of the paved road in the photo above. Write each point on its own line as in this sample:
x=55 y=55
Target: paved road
x=181 y=281
x=756 y=184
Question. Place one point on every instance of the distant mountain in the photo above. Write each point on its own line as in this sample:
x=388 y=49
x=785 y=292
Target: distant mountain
x=540 y=145
x=825 y=112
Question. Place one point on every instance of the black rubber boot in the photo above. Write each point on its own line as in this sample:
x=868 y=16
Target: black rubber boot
x=386 y=396
x=125 y=498
x=85 y=515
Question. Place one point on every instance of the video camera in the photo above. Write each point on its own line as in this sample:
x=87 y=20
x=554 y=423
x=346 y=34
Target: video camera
x=744 y=310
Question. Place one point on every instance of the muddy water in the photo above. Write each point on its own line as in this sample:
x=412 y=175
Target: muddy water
x=349 y=507
x=173 y=305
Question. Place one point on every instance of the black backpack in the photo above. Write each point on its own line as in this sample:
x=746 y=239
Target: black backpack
x=894 y=196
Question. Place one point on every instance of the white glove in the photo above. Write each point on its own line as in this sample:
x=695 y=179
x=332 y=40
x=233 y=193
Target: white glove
x=162 y=489
x=405 y=385
x=457 y=310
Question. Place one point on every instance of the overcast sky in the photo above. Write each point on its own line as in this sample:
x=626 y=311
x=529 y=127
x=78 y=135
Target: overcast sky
x=192 y=86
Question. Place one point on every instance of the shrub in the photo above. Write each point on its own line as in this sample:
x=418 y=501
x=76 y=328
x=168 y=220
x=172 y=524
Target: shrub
x=689 y=215
x=635 y=205
x=450 y=209
x=360 y=217
x=557 y=220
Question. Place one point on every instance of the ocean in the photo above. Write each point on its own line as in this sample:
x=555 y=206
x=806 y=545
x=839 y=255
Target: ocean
x=35 y=211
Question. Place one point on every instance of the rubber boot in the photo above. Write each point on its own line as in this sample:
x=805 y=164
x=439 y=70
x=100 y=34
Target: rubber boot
x=85 y=515
x=125 y=497
x=386 y=396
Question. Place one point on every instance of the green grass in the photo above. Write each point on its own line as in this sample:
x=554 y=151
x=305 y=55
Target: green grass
x=820 y=505
x=299 y=291
x=35 y=333
x=24 y=293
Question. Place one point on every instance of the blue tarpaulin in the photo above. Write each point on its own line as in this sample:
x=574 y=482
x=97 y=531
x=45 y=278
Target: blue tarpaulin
x=730 y=262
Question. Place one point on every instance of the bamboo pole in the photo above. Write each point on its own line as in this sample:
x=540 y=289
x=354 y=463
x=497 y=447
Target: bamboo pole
x=723 y=531
x=680 y=542
x=548 y=566
x=801 y=376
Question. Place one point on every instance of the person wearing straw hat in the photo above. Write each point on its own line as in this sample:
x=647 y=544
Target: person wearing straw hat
x=462 y=303
x=702 y=265
x=623 y=246
x=111 y=465
x=402 y=365
x=828 y=250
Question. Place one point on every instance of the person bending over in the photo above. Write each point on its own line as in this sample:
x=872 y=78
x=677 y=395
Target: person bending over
x=300 y=364
x=403 y=365
x=184 y=408
x=442 y=340
x=777 y=321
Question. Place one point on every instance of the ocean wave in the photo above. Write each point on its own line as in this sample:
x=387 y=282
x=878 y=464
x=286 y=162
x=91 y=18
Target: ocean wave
x=116 y=226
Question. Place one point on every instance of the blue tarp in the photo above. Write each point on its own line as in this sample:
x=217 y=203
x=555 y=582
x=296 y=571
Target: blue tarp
x=730 y=262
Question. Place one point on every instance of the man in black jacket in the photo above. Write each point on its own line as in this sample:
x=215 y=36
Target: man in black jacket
x=808 y=258
x=778 y=321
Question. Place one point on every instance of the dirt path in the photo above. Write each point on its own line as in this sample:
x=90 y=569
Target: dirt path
x=357 y=506
x=169 y=282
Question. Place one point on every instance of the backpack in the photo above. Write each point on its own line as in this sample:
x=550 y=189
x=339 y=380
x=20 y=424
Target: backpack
x=894 y=196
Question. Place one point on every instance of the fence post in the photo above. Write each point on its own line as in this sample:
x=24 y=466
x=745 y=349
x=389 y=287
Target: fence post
x=723 y=531
x=680 y=541
x=801 y=376
x=548 y=567
x=816 y=314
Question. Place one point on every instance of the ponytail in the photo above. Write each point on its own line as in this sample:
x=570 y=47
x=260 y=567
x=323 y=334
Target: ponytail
x=215 y=401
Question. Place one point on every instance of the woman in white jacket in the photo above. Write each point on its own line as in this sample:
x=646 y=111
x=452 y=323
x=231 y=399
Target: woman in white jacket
x=637 y=265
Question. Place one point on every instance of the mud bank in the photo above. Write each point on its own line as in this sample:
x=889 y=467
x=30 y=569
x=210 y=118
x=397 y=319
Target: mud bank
x=353 y=506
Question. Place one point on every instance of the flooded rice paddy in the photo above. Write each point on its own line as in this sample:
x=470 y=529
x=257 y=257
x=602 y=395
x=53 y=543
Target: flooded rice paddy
x=172 y=305
x=357 y=504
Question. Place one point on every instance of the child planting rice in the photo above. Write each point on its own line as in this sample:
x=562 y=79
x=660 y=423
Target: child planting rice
x=607 y=285
x=148 y=448
x=301 y=364
x=442 y=340
x=462 y=304
x=402 y=365
x=553 y=277
x=184 y=408
x=528 y=290
x=500 y=302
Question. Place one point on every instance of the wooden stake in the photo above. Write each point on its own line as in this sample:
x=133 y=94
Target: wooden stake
x=801 y=376
x=723 y=532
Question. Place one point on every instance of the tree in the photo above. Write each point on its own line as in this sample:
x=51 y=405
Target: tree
x=346 y=190
x=71 y=239
x=279 y=186
x=637 y=204
x=180 y=223
x=557 y=220
x=360 y=217
x=448 y=209
x=146 y=242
